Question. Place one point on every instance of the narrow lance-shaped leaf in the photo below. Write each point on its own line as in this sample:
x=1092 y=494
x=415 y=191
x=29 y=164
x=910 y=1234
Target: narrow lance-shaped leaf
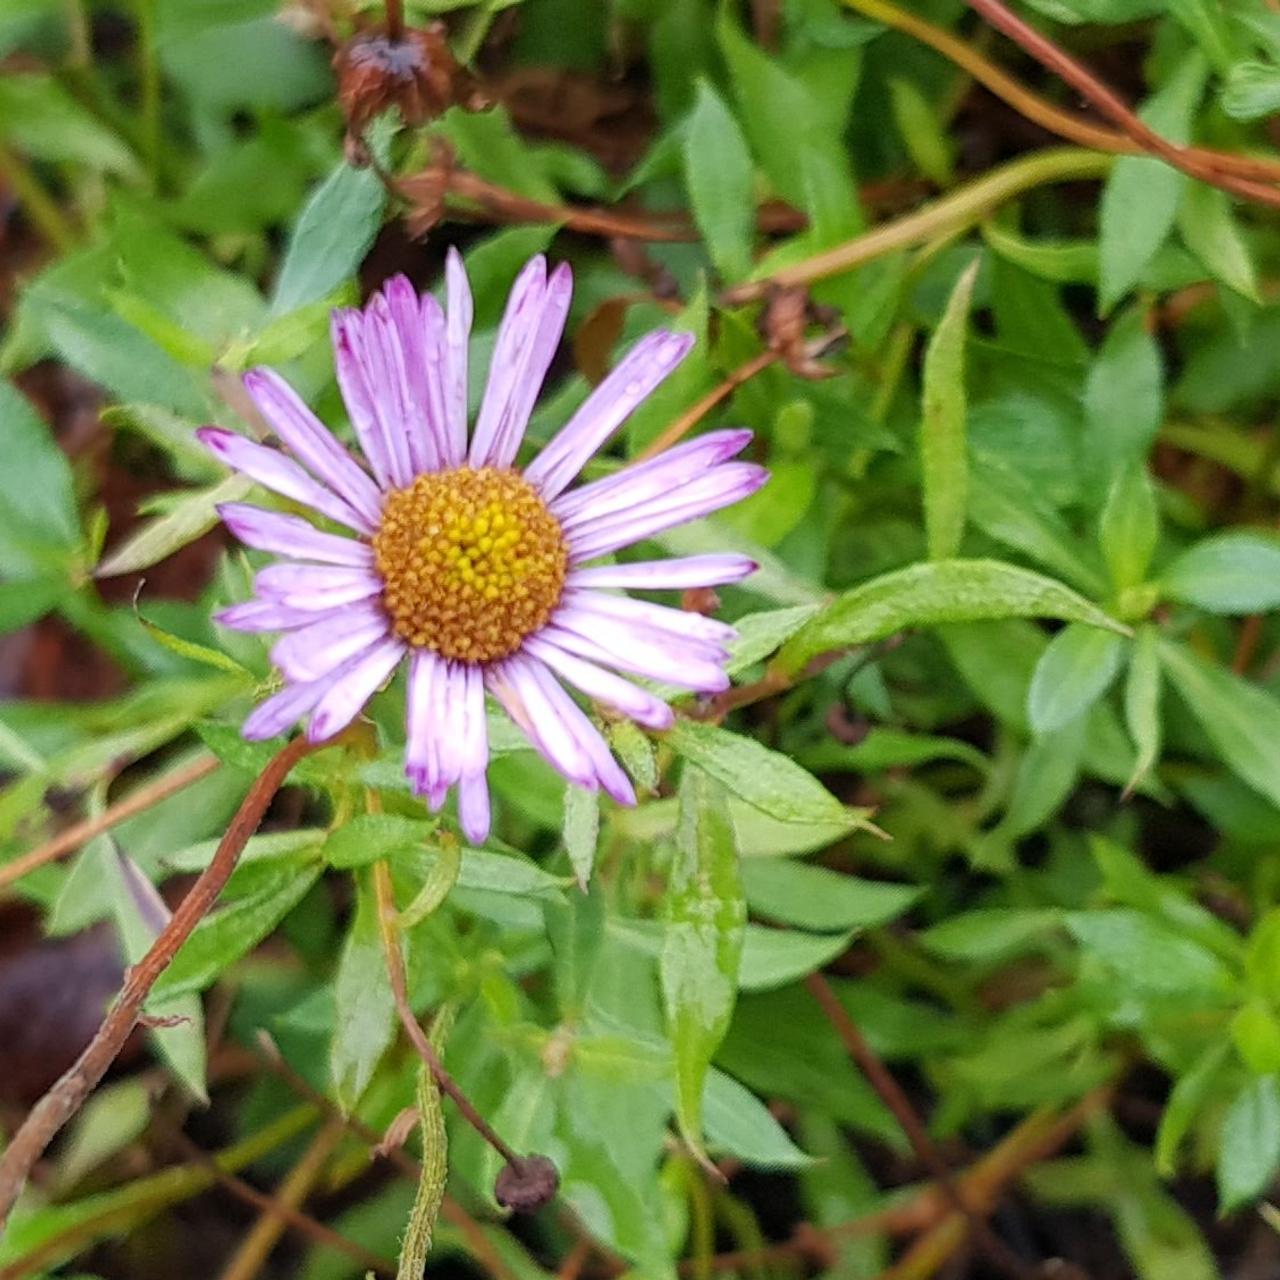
x=581 y=831
x=719 y=174
x=944 y=591
x=141 y=914
x=943 y=447
x=702 y=947
x=1142 y=703
x=1250 y=1152
x=1073 y=673
x=365 y=1008
x=1241 y=720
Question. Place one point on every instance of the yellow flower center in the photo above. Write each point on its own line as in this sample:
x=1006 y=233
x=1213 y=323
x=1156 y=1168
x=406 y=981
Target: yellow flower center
x=472 y=562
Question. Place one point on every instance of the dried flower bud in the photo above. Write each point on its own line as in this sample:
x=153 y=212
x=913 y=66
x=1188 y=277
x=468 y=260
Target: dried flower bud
x=527 y=1184
x=376 y=71
x=787 y=314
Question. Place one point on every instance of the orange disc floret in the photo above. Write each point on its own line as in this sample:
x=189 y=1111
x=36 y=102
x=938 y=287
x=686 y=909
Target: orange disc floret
x=472 y=562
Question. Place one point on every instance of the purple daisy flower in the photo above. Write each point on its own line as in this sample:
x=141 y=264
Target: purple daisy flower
x=474 y=572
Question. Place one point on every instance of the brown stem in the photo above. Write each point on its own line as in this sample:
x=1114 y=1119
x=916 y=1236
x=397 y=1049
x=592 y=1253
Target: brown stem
x=135 y=802
x=301 y=1222
x=892 y=1095
x=66 y=1097
x=693 y=415
x=452 y=1212
x=256 y=1248
x=395 y=19
x=1197 y=164
x=388 y=922
x=1037 y=109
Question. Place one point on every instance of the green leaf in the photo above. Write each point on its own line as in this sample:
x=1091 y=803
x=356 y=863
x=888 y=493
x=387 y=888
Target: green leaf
x=370 y=836
x=24 y=601
x=816 y=898
x=1189 y=1094
x=1129 y=526
x=1142 y=702
x=1140 y=199
x=1210 y=231
x=777 y=957
x=39 y=528
x=991 y=934
x=38 y=116
x=190 y=518
x=922 y=132
x=333 y=233
x=740 y=1125
x=1123 y=400
x=1010 y=508
x=944 y=457
x=140 y=915
x=1241 y=721
x=232 y=931
x=794 y=133
x=1073 y=673
x=719 y=175
x=928 y=594
x=1250 y=1152
x=1148 y=955
x=702 y=945
x=366 y=1011
x=766 y=779
x=1235 y=572
x=1252 y=91
x=581 y=831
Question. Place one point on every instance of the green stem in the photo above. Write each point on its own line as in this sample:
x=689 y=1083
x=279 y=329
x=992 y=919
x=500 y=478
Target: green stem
x=40 y=206
x=149 y=80
x=963 y=207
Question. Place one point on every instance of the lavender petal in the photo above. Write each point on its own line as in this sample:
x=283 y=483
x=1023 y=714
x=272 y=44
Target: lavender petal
x=292 y=536
x=312 y=443
x=347 y=696
x=280 y=474
x=606 y=409
x=677 y=574
x=603 y=686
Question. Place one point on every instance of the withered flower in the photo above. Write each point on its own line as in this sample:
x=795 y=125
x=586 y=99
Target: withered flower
x=413 y=70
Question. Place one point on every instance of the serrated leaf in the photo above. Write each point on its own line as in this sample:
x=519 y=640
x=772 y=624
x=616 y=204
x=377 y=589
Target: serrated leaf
x=944 y=591
x=702 y=942
x=944 y=458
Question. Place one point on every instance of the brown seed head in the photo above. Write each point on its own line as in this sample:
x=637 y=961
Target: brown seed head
x=376 y=71
x=472 y=562
x=527 y=1184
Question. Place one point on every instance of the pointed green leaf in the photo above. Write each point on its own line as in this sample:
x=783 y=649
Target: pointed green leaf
x=944 y=458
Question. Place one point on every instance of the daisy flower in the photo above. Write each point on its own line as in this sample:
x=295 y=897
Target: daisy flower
x=476 y=573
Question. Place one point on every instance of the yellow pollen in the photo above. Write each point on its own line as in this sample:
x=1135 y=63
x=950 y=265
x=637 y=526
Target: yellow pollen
x=471 y=561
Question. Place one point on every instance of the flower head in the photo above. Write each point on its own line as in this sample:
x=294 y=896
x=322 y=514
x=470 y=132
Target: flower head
x=476 y=574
